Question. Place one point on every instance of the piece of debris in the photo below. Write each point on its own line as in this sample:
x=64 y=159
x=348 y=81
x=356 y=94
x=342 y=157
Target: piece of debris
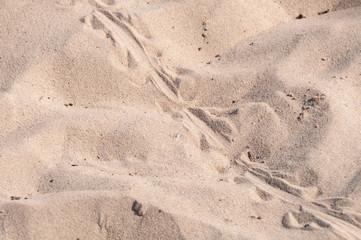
x=324 y=12
x=15 y=198
x=300 y=116
x=249 y=155
x=300 y=16
x=138 y=209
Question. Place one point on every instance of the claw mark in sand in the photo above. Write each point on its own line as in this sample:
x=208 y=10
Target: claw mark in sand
x=121 y=33
x=119 y=30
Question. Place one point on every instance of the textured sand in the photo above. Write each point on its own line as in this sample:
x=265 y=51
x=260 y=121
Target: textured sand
x=180 y=119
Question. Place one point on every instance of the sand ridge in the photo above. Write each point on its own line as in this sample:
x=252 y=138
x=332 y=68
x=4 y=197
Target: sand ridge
x=180 y=119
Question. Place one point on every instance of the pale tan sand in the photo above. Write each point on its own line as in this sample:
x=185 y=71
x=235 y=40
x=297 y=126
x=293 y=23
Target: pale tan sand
x=159 y=119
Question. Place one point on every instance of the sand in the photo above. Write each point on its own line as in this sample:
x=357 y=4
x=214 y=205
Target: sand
x=182 y=119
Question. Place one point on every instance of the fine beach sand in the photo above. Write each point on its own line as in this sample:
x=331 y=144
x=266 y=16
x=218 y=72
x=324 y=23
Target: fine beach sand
x=180 y=119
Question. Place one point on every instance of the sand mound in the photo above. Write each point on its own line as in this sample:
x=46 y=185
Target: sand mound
x=180 y=119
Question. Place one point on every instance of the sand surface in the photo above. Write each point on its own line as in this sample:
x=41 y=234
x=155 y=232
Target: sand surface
x=180 y=119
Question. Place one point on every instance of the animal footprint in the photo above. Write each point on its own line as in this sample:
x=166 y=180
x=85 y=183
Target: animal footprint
x=303 y=220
